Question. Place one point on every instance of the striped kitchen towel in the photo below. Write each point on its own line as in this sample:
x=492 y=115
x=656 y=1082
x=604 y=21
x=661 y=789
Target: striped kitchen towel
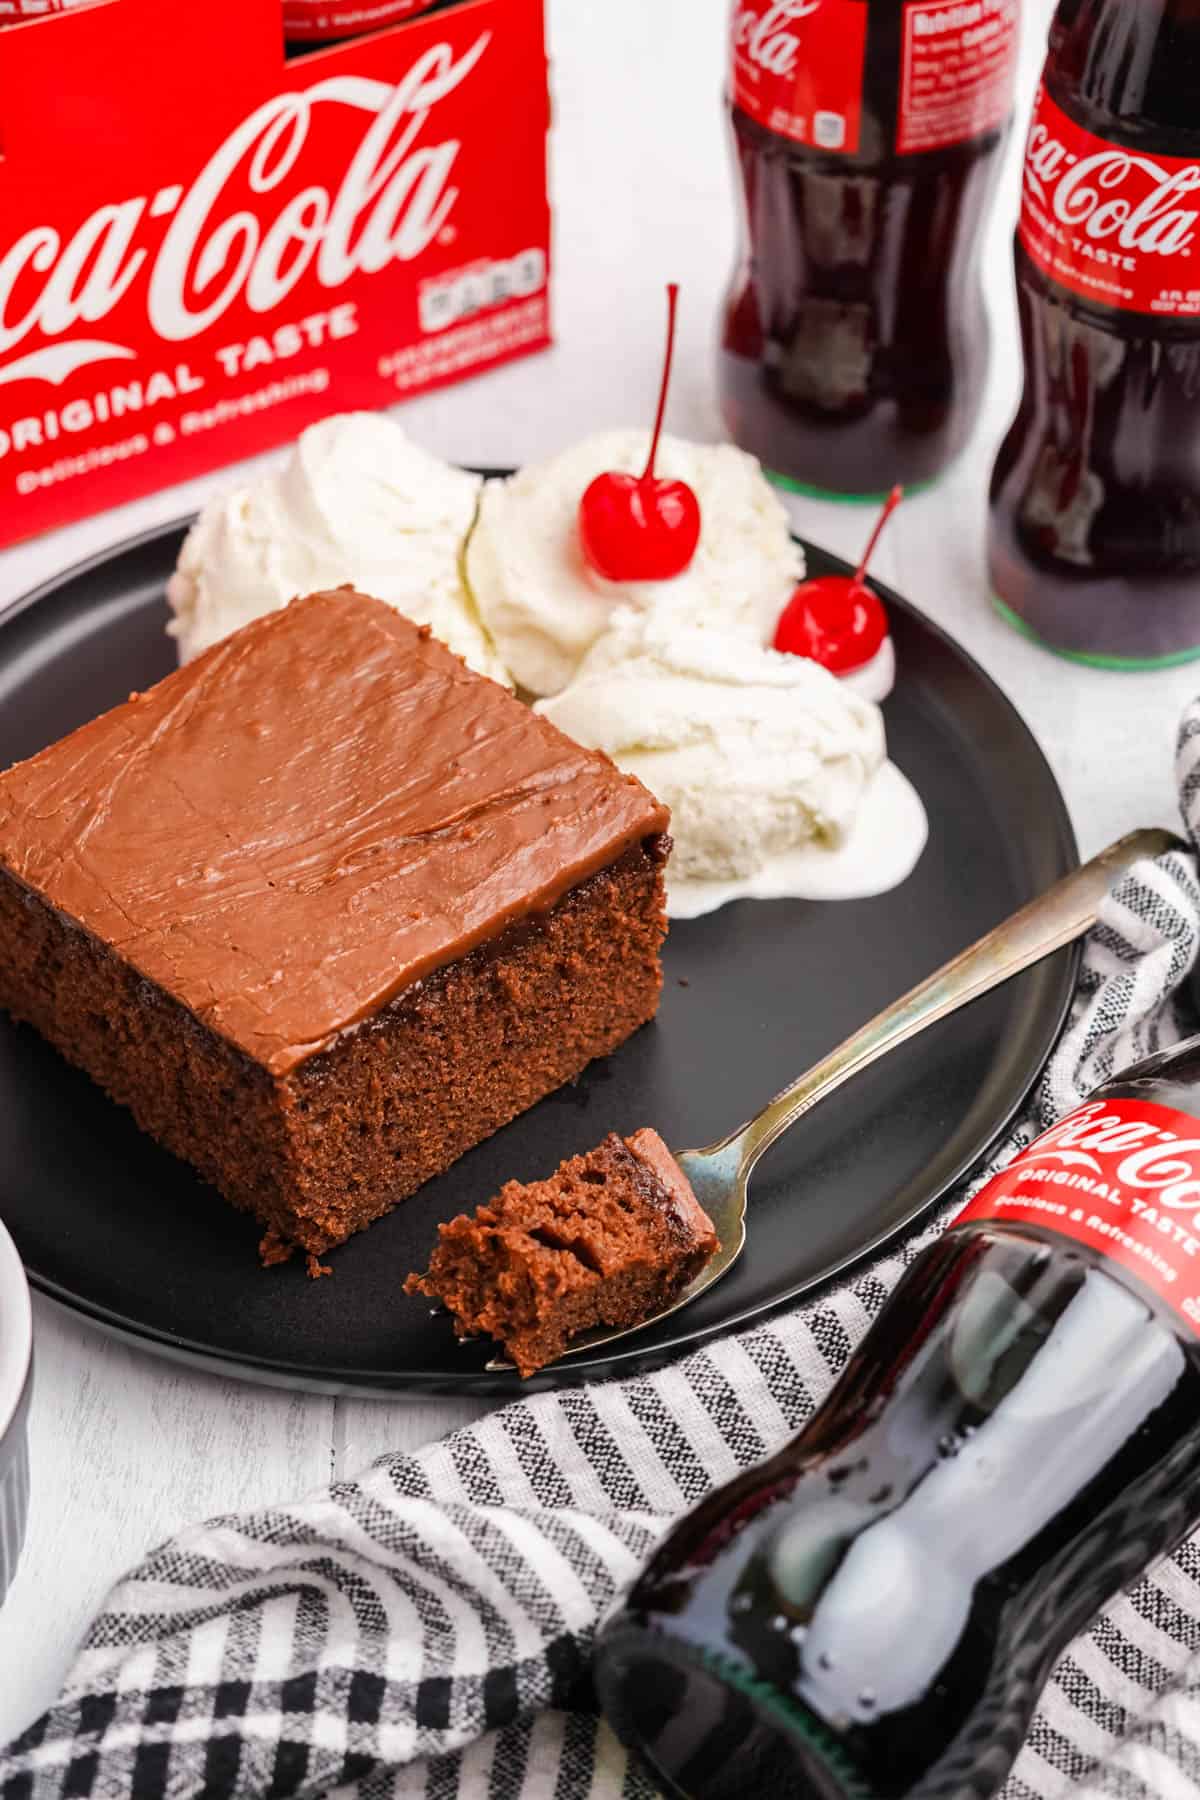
x=426 y=1629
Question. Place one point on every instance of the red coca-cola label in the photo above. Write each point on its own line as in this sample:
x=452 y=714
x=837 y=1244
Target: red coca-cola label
x=957 y=71
x=1123 y=1177
x=1111 y=223
x=306 y=237
x=798 y=68
x=317 y=21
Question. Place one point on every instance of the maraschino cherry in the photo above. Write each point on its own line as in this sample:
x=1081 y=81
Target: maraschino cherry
x=638 y=527
x=837 y=620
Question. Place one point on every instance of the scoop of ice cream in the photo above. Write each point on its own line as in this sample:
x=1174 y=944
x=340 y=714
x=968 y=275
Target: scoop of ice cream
x=545 y=607
x=356 y=501
x=874 y=680
x=755 y=752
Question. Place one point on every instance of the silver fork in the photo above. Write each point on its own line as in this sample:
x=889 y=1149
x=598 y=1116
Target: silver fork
x=720 y=1174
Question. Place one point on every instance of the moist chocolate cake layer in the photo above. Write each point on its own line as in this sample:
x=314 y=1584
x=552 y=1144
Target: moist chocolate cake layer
x=324 y=909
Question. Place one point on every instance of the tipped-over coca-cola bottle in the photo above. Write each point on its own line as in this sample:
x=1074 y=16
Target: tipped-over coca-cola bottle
x=870 y=1615
x=1095 y=516
x=867 y=136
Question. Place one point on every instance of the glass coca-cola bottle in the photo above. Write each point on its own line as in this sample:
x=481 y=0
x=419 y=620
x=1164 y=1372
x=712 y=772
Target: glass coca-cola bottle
x=1095 y=500
x=871 y=1614
x=867 y=136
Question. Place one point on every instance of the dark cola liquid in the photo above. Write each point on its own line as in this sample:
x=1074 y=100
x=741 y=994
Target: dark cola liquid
x=855 y=340
x=1095 y=498
x=874 y=1611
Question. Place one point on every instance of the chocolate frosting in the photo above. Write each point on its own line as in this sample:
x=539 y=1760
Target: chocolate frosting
x=317 y=812
x=690 y=1217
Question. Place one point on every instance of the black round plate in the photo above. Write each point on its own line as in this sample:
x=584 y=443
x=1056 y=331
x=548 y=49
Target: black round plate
x=118 y=1230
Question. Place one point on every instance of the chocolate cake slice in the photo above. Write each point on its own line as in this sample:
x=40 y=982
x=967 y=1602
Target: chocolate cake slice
x=609 y=1239
x=324 y=908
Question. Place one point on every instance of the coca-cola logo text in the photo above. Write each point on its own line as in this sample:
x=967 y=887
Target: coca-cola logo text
x=222 y=246
x=1113 y=195
x=763 y=36
x=1124 y=1152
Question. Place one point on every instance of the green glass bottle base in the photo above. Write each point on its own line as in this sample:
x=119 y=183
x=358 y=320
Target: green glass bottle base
x=819 y=493
x=1095 y=659
x=794 y=1719
x=728 y=1716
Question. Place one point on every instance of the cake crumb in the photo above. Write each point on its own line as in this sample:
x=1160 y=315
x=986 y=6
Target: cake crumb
x=274 y=1248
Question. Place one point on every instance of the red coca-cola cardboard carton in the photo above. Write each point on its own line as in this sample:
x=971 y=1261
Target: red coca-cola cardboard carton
x=204 y=247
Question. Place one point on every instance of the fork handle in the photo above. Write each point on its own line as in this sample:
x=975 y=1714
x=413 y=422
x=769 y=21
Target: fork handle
x=1059 y=916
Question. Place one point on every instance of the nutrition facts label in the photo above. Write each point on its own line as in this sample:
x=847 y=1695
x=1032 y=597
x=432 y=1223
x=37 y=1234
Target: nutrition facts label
x=958 y=68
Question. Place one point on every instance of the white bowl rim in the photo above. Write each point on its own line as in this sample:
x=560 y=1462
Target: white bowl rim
x=16 y=1330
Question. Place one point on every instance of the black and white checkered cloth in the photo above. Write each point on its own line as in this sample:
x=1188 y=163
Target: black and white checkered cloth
x=425 y=1630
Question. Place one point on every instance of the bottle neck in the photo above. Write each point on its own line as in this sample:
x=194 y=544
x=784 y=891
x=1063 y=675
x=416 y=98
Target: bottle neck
x=1135 y=63
x=1176 y=1072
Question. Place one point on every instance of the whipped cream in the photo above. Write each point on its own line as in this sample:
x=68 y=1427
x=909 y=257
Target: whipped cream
x=545 y=607
x=355 y=502
x=766 y=761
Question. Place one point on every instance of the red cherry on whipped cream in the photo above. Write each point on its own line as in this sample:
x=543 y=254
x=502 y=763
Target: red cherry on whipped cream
x=837 y=620
x=638 y=527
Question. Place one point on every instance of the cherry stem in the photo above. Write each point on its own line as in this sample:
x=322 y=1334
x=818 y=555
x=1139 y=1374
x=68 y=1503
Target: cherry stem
x=672 y=310
x=892 y=502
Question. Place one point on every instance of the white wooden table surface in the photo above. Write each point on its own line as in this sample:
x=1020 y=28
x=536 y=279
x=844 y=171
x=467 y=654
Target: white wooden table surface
x=127 y=1448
